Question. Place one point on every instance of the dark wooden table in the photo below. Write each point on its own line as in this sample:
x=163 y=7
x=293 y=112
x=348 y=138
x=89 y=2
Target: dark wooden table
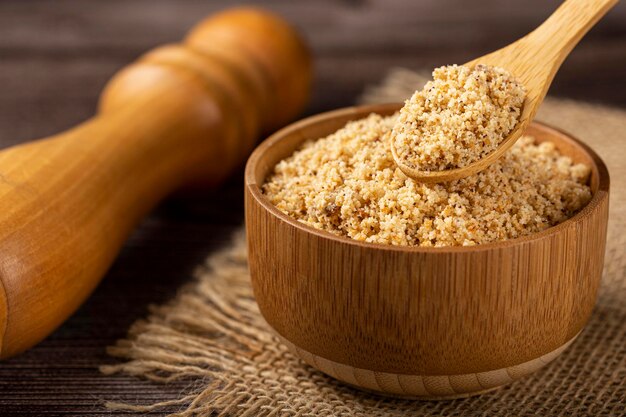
x=56 y=56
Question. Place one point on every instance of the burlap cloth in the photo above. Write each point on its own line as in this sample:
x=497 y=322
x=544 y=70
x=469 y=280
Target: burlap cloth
x=213 y=334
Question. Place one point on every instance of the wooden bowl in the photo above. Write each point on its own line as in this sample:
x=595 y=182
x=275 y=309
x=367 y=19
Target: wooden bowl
x=422 y=322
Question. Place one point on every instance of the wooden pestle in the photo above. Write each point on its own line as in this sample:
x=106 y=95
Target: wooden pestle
x=182 y=114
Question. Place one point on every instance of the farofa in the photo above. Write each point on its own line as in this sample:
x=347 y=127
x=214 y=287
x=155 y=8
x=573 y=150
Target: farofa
x=459 y=117
x=347 y=183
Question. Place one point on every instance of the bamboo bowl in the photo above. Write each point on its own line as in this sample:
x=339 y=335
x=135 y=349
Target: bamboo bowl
x=422 y=322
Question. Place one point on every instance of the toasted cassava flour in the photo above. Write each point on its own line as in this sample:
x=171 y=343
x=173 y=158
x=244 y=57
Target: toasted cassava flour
x=347 y=183
x=459 y=117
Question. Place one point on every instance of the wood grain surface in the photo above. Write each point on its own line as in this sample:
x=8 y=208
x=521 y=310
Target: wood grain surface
x=55 y=57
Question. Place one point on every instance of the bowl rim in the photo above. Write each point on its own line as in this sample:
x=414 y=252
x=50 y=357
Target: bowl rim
x=598 y=168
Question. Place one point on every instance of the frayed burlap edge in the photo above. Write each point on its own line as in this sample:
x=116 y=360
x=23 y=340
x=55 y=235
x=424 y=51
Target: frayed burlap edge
x=212 y=331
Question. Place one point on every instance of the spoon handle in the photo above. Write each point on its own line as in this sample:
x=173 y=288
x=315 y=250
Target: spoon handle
x=560 y=33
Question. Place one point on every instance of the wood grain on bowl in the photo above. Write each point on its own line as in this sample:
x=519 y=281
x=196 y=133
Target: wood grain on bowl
x=428 y=312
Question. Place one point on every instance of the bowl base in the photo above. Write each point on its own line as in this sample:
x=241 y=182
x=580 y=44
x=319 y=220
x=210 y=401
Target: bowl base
x=423 y=398
x=424 y=387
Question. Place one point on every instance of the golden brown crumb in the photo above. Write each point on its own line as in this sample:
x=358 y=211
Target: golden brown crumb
x=459 y=117
x=348 y=184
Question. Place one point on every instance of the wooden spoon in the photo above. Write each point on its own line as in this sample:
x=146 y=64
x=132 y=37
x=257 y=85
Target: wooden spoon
x=182 y=114
x=534 y=60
